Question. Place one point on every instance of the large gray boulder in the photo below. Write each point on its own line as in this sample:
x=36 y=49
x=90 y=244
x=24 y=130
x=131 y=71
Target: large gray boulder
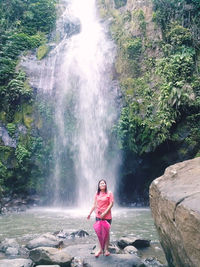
x=45 y=240
x=175 y=205
x=86 y=256
x=16 y=263
x=51 y=256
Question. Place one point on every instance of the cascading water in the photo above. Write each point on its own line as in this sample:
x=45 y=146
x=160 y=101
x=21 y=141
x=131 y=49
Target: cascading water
x=77 y=74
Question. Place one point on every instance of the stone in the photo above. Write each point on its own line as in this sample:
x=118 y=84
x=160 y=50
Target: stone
x=125 y=241
x=133 y=241
x=114 y=249
x=85 y=256
x=174 y=201
x=153 y=262
x=130 y=250
x=79 y=233
x=72 y=27
x=49 y=255
x=8 y=243
x=45 y=240
x=16 y=263
x=7 y=140
x=11 y=251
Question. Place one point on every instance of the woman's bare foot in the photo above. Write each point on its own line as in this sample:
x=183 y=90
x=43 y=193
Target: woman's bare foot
x=98 y=253
x=107 y=253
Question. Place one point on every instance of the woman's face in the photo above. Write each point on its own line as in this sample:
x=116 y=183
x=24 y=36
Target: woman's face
x=102 y=185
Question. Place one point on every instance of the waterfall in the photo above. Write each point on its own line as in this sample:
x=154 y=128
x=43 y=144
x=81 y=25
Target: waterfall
x=78 y=75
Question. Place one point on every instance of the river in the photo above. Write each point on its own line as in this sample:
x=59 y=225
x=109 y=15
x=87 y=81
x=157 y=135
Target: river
x=126 y=222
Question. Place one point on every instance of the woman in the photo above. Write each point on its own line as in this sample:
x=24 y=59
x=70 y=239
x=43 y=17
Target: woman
x=103 y=203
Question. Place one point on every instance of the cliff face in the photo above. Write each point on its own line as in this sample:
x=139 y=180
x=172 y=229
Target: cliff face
x=158 y=75
x=174 y=200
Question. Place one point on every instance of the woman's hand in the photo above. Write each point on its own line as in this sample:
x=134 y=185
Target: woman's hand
x=88 y=217
x=102 y=215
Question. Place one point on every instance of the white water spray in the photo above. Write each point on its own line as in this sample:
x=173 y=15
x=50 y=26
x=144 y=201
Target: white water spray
x=78 y=74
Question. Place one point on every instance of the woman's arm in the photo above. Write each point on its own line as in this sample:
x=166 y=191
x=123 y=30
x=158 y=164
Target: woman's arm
x=107 y=210
x=92 y=209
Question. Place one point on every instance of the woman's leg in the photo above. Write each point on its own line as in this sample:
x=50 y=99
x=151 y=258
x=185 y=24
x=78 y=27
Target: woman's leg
x=99 y=251
x=107 y=253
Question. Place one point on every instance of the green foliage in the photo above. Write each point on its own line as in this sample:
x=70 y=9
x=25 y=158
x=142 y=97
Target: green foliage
x=3 y=172
x=11 y=127
x=21 y=153
x=178 y=35
x=151 y=112
x=16 y=89
x=183 y=13
x=120 y=3
x=133 y=47
x=42 y=51
x=141 y=19
x=24 y=25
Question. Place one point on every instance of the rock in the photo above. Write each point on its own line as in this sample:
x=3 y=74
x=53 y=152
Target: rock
x=79 y=233
x=125 y=241
x=68 y=235
x=7 y=140
x=153 y=262
x=130 y=250
x=114 y=249
x=77 y=262
x=72 y=27
x=9 y=243
x=133 y=241
x=45 y=240
x=141 y=243
x=84 y=254
x=174 y=201
x=12 y=251
x=16 y=263
x=46 y=255
x=48 y=265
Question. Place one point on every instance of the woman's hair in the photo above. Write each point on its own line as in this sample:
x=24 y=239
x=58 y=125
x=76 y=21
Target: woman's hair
x=98 y=189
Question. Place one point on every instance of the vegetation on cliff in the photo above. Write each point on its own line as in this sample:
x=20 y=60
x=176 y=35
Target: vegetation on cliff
x=158 y=67
x=24 y=25
x=159 y=75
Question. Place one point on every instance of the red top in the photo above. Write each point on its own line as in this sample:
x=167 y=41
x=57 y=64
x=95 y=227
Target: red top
x=103 y=200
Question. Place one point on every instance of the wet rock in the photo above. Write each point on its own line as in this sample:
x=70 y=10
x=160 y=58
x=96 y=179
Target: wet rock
x=18 y=203
x=130 y=250
x=9 y=243
x=114 y=249
x=12 y=251
x=84 y=252
x=153 y=262
x=47 y=255
x=67 y=235
x=125 y=241
x=72 y=27
x=174 y=199
x=141 y=243
x=45 y=240
x=133 y=241
x=79 y=233
x=78 y=262
x=7 y=140
x=16 y=263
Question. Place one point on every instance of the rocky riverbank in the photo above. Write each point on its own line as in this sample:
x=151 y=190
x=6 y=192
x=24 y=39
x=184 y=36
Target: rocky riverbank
x=174 y=199
x=59 y=250
x=18 y=203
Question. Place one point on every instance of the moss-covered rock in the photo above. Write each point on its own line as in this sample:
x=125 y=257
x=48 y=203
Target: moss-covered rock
x=42 y=51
